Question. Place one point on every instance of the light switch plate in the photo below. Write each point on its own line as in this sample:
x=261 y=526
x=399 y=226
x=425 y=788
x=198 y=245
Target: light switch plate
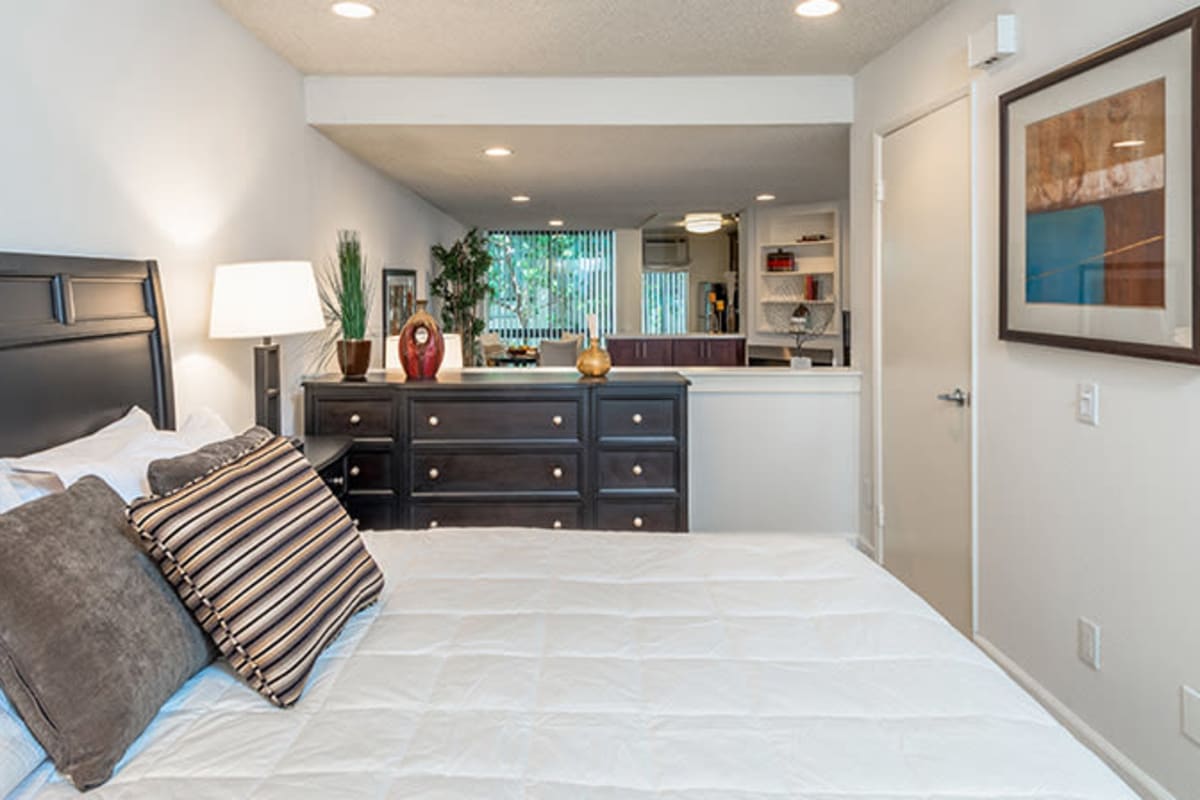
x=1191 y=714
x=1087 y=403
x=1089 y=643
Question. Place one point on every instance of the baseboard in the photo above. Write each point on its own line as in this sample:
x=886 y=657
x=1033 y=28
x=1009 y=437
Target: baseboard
x=1120 y=763
x=866 y=548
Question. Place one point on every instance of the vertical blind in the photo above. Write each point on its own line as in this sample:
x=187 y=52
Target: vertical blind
x=544 y=284
x=664 y=302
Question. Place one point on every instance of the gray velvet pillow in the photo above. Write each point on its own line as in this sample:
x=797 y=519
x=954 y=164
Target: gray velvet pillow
x=168 y=475
x=93 y=640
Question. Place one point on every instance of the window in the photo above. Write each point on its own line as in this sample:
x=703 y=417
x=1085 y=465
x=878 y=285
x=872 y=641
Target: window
x=545 y=284
x=664 y=302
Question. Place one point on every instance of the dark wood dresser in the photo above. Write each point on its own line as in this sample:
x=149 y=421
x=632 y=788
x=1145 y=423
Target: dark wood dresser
x=516 y=447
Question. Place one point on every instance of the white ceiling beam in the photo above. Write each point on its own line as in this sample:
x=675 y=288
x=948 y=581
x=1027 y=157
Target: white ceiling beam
x=759 y=100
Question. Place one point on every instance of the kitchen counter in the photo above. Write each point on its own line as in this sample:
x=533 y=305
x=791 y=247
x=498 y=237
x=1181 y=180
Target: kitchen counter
x=676 y=336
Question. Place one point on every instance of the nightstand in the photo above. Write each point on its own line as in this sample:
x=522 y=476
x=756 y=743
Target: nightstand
x=327 y=454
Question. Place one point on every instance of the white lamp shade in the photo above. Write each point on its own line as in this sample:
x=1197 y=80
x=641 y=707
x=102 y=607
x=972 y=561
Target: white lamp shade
x=264 y=298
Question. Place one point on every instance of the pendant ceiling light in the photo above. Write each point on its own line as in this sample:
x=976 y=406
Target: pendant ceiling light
x=703 y=222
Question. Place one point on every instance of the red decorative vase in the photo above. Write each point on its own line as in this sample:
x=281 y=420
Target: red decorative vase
x=421 y=345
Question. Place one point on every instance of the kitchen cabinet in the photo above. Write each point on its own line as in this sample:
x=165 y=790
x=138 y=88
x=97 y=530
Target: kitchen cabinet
x=683 y=351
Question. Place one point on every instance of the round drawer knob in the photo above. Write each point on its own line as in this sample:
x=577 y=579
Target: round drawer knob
x=558 y=524
x=433 y=523
x=557 y=472
x=434 y=422
x=355 y=522
x=557 y=421
x=638 y=522
x=637 y=470
x=637 y=419
x=355 y=419
x=355 y=471
x=434 y=473
x=336 y=480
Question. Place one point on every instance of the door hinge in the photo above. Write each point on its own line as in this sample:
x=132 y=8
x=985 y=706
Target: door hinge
x=880 y=192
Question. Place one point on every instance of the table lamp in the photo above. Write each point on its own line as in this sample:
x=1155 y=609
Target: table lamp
x=265 y=299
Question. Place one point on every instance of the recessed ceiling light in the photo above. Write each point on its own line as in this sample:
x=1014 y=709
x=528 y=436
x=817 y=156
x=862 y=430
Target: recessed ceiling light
x=703 y=222
x=556 y=223
x=818 y=8
x=520 y=198
x=352 y=10
x=1130 y=143
x=498 y=152
x=765 y=198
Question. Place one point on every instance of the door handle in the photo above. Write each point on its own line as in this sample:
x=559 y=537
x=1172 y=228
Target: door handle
x=958 y=397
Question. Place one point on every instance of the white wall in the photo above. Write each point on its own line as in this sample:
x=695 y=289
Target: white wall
x=710 y=263
x=137 y=128
x=629 y=280
x=1073 y=521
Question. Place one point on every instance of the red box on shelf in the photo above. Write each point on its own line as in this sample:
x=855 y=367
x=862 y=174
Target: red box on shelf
x=781 y=261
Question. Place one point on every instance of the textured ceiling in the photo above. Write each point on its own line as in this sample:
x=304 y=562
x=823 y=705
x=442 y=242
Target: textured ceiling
x=580 y=37
x=604 y=176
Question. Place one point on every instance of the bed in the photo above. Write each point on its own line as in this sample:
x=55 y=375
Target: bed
x=507 y=663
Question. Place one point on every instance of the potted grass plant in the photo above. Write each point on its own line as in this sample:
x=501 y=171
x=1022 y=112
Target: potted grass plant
x=345 y=294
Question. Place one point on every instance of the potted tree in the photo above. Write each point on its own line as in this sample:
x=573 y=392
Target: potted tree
x=346 y=293
x=462 y=285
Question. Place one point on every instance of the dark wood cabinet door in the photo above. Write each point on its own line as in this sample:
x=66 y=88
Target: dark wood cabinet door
x=623 y=352
x=657 y=353
x=726 y=352
x=689 y=352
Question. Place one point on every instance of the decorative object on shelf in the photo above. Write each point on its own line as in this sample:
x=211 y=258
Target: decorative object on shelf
x=462 y=285
x=593 y=362
x=399 y=299
x=265 y=299
x=421 y=344
x=345 y=293
x=1098 y=201
x=808 y=322
x=811 y=238
x=781 y=261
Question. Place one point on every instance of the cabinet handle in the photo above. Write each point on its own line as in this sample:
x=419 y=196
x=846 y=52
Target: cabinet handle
x=638 y=522
x=355 y=419
x=355 y=471
x=336 y=480
x=557 y=472
x=557 y=524
x=433 y=523
x=433 y=473
x=637 y=419
x=556 y=421
x=637 y=470
x=434 y=421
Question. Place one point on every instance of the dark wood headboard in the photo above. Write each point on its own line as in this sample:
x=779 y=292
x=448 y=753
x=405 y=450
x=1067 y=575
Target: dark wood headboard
x=81 y=341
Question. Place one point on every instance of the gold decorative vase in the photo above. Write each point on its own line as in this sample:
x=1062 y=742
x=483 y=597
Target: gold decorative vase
x=594 y=362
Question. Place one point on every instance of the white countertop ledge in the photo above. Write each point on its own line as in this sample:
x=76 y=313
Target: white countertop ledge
x=745 y=380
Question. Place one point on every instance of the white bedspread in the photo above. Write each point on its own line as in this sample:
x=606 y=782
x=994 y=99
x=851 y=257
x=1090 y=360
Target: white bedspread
x=510 y=664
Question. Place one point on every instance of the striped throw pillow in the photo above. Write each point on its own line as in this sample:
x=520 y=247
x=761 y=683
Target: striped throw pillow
x=267 y=561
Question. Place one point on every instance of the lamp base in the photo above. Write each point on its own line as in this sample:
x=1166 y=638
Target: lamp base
x=266 y=385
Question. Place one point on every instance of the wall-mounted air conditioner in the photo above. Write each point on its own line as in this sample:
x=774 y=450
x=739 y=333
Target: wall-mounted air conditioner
x=665 y=251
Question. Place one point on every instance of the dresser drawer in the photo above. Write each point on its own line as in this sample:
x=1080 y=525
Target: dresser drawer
x=634 y=470
x=628 y=418
x=358 y=417
x=638 y=515
x=371 y=512
x=494 y=515
x=496 y=473
x=369 y=470
x=441 y=419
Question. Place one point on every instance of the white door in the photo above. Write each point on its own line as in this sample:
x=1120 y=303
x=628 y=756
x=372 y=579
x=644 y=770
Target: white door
x=926 y=339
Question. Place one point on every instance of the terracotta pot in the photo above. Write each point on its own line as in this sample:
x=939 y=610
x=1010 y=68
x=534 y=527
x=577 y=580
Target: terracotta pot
x=422 y=346
x=354 y=357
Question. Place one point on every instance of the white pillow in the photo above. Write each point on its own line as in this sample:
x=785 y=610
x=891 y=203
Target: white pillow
x=121 y=453
x=20 y=754
x=18 y=488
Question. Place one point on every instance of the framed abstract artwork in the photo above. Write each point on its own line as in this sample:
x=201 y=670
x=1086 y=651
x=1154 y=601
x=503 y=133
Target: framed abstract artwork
x=399 y=299
x=1099 y=171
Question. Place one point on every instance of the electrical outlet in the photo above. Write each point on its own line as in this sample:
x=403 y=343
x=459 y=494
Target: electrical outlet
x=1087 y=403
x=1089 y=643
x=1191 y=714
